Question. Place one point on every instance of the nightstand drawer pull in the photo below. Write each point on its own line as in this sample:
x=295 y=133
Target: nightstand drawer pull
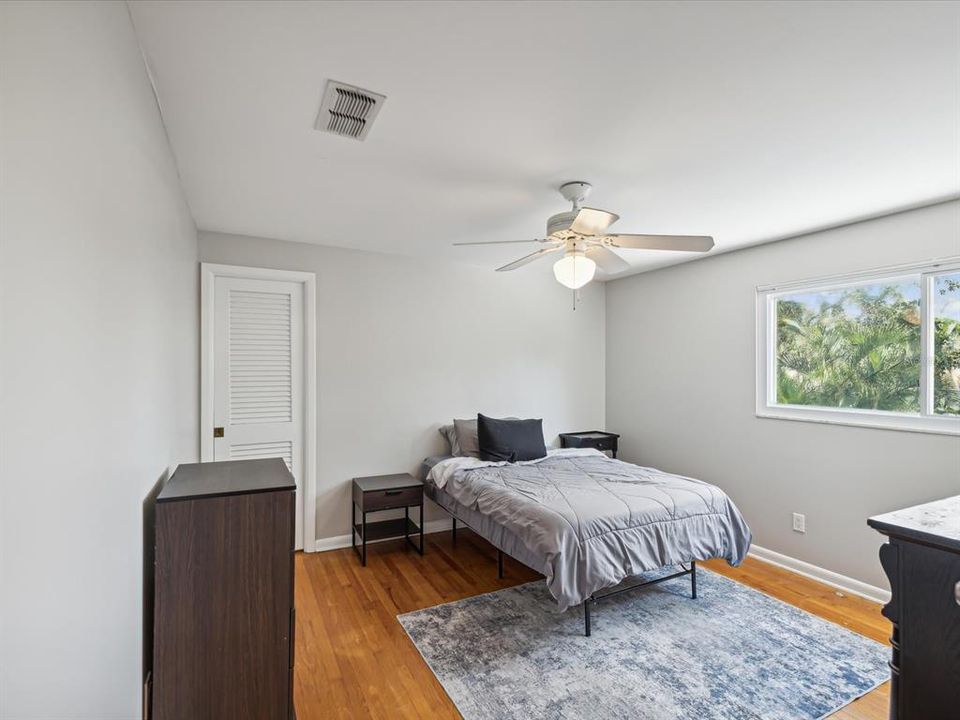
x=392 y=498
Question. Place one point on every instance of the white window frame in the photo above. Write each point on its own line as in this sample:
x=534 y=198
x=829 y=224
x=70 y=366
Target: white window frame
x=925 y=422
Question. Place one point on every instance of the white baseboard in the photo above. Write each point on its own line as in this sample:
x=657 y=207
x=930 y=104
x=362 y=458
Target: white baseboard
x=343 y=541
x=827 y=577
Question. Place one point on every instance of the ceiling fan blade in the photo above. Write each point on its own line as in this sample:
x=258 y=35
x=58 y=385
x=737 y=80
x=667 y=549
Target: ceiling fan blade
x=529 y=258
x=590 y=221
x=682 y=243
x=500 y=242
x=607 y=260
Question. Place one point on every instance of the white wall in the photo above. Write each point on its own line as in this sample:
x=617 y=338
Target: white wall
x=98 y=347
x=408 y=344
x=681 y=386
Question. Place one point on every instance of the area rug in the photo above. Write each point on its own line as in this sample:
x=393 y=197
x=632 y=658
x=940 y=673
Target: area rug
x=734 y=653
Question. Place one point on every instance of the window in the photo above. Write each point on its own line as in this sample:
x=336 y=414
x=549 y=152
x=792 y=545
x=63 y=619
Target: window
x=880 y=349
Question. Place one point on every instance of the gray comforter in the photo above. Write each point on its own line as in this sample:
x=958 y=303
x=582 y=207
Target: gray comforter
x=593 y=521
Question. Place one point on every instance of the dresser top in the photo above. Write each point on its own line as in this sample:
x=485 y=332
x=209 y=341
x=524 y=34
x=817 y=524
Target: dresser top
x=233 y=477
x=937 y=523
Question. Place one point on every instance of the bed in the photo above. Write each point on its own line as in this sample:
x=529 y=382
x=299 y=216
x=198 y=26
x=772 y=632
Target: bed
x=587 y=522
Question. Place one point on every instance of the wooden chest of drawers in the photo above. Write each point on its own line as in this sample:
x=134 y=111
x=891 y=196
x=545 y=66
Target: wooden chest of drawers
x=224 y=622
x=922 y=562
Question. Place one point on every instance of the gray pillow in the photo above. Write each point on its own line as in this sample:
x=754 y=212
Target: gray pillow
x=451 y=437
x=462 y=437
x=468 y=443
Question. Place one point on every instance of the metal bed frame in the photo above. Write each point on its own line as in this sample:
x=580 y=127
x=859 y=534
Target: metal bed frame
x=588 y=603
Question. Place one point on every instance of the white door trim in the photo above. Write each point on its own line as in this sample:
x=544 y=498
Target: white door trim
x=208 y=273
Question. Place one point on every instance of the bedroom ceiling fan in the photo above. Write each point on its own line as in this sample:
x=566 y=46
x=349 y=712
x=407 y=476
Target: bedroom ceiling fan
x=581 y=234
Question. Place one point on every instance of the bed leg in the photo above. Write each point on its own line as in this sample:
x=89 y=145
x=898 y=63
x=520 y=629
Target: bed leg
x=693 y=579
x=454 y=531
x=586 y=616
x=500 y=564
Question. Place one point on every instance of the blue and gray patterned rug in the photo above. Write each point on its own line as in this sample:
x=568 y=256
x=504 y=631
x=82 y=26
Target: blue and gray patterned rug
x=734 y=653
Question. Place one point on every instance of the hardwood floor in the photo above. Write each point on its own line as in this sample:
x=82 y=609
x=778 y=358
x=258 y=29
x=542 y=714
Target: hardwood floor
x=353 y=660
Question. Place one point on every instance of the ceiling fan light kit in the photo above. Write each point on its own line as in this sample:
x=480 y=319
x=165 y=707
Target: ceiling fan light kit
x=581 y=234
x=574 y=270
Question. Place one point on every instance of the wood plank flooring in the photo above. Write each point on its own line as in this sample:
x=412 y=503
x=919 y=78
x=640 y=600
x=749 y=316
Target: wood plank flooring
x=353 y=660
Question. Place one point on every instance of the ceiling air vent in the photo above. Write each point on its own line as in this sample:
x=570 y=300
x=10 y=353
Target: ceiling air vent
x=348 y=110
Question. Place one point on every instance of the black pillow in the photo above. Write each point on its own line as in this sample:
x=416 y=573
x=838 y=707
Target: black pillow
x=510 y=440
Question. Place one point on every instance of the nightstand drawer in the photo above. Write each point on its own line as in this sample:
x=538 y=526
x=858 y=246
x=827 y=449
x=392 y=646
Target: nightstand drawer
x=395 y=498
x=606 y=443
x=598 y=439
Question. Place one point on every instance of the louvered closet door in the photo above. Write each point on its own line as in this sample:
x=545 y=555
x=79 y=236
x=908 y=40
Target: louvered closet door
x=258 y=373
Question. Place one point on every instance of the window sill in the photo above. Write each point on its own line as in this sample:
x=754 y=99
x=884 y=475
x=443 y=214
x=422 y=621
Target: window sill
x=864 y=418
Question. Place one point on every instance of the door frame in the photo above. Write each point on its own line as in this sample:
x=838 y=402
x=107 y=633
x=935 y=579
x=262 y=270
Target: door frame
x=209 y=272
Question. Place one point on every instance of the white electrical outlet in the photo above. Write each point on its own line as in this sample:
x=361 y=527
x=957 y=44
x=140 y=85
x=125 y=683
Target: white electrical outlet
x=799 y=523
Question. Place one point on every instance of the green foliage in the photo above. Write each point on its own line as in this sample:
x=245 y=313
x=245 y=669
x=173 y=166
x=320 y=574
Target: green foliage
x=946 y=348
x=861 y=349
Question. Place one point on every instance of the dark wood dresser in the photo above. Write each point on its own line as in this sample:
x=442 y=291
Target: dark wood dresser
x=922 y=562
x=223 y=625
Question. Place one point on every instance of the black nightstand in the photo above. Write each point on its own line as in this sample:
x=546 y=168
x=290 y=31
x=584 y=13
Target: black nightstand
x=385 y=492
x=591 y=439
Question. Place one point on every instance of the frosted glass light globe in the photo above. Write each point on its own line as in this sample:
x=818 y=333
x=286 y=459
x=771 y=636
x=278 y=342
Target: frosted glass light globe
x=574 y=270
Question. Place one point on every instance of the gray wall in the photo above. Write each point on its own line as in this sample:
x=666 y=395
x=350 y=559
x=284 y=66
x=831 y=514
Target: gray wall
x=98 y=348
x=406 y=344
x=681 y=389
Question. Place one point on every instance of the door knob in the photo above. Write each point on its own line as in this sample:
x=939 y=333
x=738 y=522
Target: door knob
x=956 y=592
x=218 y=432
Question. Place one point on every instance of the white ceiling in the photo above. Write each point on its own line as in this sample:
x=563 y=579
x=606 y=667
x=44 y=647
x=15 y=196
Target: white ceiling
x=746 y=121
